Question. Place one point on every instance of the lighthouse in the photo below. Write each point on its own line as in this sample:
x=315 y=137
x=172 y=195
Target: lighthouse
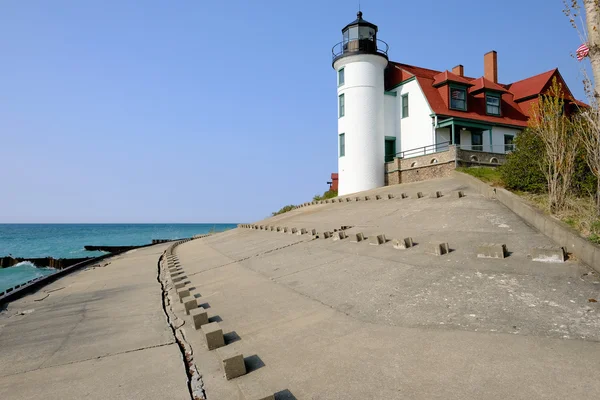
x=359 y=61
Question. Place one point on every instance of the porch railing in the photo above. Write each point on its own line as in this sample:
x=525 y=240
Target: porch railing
x=421 y=151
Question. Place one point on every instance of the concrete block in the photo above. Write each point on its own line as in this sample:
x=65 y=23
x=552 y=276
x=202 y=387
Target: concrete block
x=213 y=335
x=357 y=198
x=377 y=197
x=419 y=195
x=199 y=316
x=348 y=199
x=285 y=229
x=548 y=254
x=436 y=195
x=303 y=231
x=313 y=232
x=340 y=235
x=278 y=229
x=326 y=235
x=340 y=200
x=178 y=278
x=403 y=243
x=404 y=196
x=232 y=361
x=377 y=239
x=294 y=230
x=491 y=250
x=367 y=198
x=262 y=227
x=189 y=303
x=390 y=196
x=441 y=249
x=359 y=237
x=460 y=194
x=179 y=285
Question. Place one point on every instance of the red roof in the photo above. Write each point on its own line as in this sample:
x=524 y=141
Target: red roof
x=514 y=108
x=483 y=84
x=448 y=76
x=532 y=86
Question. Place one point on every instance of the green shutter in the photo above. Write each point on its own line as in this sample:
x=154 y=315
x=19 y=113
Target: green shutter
x=341 y=77
x=404 y=105
x=342 y=144
x=342 y=105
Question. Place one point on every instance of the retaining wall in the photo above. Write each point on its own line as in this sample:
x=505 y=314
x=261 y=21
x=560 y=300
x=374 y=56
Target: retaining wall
x=556 y=230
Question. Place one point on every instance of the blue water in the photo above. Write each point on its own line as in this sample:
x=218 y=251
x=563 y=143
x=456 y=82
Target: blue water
x=21 y=273
x=67 y=241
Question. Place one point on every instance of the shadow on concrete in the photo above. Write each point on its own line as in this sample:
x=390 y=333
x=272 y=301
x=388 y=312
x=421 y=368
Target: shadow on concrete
x=204 y=305
x=285 y=395
x=197 y=295
x=253 y=363
x=216 y=318
x=230 y=337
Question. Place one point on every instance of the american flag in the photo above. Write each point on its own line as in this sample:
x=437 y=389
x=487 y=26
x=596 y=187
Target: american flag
x=582 y=52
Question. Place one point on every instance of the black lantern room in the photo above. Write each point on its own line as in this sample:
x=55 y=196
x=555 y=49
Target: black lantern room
x=359 y=37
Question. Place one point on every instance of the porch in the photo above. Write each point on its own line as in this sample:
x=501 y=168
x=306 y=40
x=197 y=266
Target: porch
x=475 y=136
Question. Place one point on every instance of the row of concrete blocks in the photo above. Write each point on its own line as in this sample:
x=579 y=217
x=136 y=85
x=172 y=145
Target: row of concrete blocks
x=282 y=229
x=417 y=195
x=232 y=360
x=485 y=250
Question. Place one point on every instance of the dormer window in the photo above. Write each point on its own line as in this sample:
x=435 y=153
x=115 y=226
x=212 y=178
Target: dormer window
x=458 y=98
x=492 y=103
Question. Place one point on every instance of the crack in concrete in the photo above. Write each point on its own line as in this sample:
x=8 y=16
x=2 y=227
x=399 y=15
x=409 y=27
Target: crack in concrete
x=91 y=358
x=194 y=378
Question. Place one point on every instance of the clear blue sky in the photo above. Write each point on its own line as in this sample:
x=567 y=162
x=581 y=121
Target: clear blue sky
x=214 y=111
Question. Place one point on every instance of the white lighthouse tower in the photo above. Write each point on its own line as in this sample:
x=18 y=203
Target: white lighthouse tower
x=360 y=60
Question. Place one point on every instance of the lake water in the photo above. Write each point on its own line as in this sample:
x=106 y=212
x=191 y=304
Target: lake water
x=67 y=241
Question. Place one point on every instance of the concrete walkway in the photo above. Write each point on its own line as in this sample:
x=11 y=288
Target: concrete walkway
x=96 y=334
x=324 y=319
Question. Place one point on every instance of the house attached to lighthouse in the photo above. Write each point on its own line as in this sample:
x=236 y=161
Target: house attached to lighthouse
x=399 y=123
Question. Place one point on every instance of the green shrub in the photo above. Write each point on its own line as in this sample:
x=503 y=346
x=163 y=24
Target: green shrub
x=583 y=180
x=522 y=170
x=330 y=194
x=284 y=209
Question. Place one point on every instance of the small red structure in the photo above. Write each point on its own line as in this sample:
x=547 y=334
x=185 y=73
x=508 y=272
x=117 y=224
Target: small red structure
x=333 y=185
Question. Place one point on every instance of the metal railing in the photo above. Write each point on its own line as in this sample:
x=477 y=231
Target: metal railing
x=360 y=46
x=421 y=151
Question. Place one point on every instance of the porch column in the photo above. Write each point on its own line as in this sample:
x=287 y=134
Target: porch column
x=453 y=135
x=491 y=144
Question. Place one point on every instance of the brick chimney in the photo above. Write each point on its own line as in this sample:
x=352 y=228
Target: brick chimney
x=459 y=70
x=490 y=66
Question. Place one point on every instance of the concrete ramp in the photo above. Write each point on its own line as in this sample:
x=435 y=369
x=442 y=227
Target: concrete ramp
x=345 y=319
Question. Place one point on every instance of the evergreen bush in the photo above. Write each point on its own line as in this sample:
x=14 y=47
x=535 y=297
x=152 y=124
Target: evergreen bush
x=522 y=170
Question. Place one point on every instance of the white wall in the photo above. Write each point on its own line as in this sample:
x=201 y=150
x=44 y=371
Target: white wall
x=443 y=135
x=498 y=133
x=362 y=167
x=415 y=130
